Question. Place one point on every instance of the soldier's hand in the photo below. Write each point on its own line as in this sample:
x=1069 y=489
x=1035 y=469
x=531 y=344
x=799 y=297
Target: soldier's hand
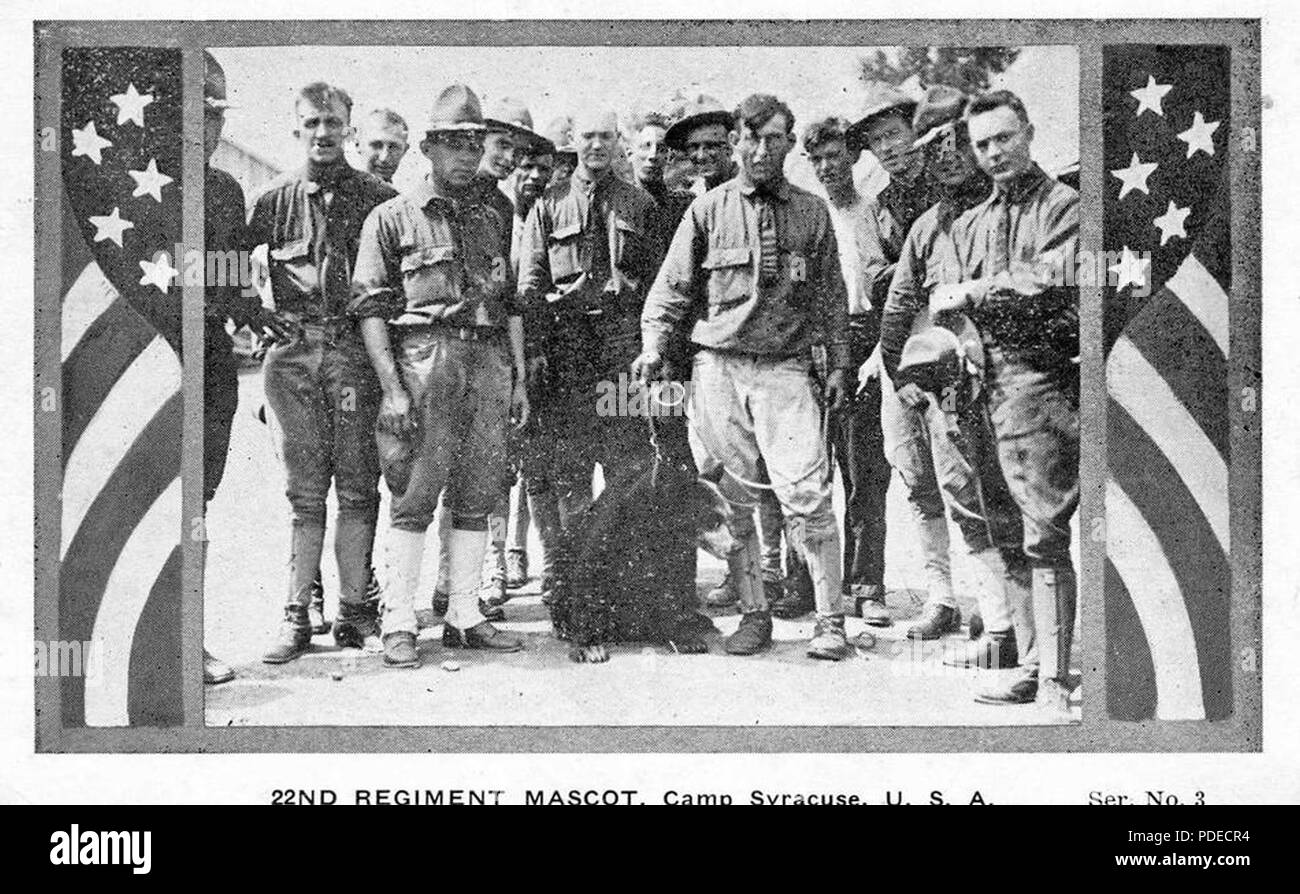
x=395 y=415
x=519 y=408
x=912 y=397
x=271 y=327
x=869 y=370
x=647 y=366
x=839 y=390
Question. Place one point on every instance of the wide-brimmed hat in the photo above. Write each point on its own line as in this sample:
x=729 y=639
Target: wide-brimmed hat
x=214 y=83
x=938 y=111
x=699 y=111
x=456 y=108
x=512 y=116
x=881 y=99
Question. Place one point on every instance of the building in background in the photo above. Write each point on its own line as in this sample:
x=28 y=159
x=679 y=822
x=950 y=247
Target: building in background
x=251 y=170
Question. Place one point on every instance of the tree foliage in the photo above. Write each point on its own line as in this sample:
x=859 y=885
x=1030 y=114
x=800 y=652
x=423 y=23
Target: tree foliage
x=969 y=68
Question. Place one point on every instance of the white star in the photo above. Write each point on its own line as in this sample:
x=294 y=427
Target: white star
x=1171 y=223
x=1130 y=269
x=159 y=273
x=88 y=143
x=130 y=105
x=149 y=181
x=1200 y=136
x=1149 y=97
x=111 y=227
x=1135 y=176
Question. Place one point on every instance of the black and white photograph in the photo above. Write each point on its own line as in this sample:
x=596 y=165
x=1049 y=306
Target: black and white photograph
x=592 y=386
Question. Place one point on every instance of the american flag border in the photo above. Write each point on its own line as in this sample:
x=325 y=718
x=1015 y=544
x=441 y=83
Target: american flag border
x=1242 y=732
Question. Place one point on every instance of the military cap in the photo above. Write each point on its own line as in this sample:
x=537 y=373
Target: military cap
x=697 y=112
x=513 y=117
x=941 y=107
x=881 y=99
x=456 y=108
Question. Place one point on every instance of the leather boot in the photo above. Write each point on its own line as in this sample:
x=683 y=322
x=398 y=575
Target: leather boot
x=937 y=621
x=293 y=638
x=357 y=626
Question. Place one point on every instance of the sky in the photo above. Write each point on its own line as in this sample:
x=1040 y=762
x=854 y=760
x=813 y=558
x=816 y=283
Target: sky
x=552 y=81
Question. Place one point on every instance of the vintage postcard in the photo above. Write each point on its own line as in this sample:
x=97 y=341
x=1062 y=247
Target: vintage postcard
x=600 y=386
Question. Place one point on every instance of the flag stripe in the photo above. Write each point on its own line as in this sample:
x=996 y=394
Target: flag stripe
x=148 y=469
x=1130 y=677
x=1144 y=394
x=113 y=342
x=1177 y=345
x=155 y=696
x=152 y=379
x=1137 y=555
x=129 y=584
x=1200 y=566
x=91 y=294
x=1204 y=297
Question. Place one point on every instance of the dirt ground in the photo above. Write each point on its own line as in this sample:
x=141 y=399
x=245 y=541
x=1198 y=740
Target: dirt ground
x=890 y=681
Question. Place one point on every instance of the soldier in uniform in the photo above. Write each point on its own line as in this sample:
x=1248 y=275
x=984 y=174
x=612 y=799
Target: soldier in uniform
x=589 y=254
x=754 y=264
x=319 y=384
x=701 y=134
x=1013 y=249
x=560 y=133
x=884 y=128
x=535 y=160
x=856 y=436
x=434 y=267
x=223 y=201
x=509 y=129
x=383 y=143
x=949 y=409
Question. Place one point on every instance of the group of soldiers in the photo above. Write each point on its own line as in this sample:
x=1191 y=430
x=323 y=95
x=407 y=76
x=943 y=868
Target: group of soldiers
x=452 y=339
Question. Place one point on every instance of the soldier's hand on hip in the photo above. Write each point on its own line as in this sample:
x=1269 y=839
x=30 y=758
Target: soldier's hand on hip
x=395 y=415
x=912 y=397
x=647 y=366
x=519 y=408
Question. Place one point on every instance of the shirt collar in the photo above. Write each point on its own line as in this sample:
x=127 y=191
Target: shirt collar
x=780 y=190
x=425 y=192
x=1020 y=188
x=590 y=184
x=332 y=177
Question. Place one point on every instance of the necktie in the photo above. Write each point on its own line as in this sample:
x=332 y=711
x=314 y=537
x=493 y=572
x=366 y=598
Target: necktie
x=1001 y=259
x=769 y=264
x=335 y=277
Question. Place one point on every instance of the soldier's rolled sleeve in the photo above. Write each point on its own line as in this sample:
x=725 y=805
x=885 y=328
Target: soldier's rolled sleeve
x=377 y=276
x=674 y=291
x=906 y=298
x=877 y=268
x=833 y=299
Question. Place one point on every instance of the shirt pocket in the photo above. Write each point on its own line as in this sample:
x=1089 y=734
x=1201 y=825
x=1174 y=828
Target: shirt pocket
x=731 y=275
x=564 y=249
x=632 y=248
x=430 y=274
x=293 y=269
